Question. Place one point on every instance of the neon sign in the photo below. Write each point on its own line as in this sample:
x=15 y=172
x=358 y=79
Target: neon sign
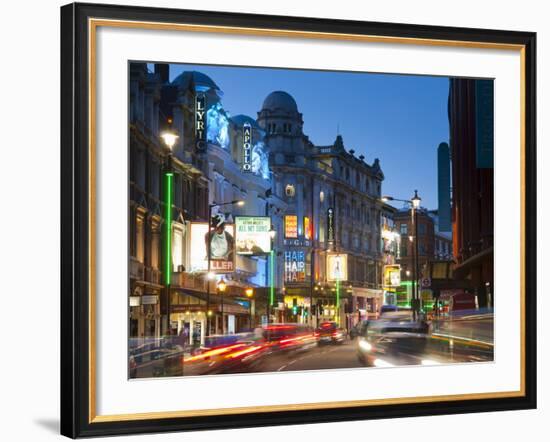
x=200 y=122
x=247 y=147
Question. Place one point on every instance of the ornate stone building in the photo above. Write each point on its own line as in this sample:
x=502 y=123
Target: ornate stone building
x=313 y=181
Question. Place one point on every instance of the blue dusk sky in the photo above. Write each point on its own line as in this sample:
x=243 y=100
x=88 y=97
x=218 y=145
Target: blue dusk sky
x=400 y=119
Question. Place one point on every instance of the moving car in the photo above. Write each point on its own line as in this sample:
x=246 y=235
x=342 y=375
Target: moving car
x=358 y=329
x=330 y=333
x=397 y=338
x=288 y=336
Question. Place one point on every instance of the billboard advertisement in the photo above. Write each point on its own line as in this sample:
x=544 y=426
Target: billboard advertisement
x=308 y=228
x=252 y=235
x=392 y=275
x=222 y=243
x=291 y=226
x=295 y=266
x=337 y=267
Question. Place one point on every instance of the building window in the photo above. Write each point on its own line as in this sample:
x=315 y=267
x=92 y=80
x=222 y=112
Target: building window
x=404 y=250
x=290 y=190
x=139 y=239
x=177 y=248
x=421 y=229
x=155 y=247
x=403 y=228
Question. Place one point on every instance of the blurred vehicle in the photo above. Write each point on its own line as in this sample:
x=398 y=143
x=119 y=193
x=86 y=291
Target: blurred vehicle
x=358 y=329
x=154 y=357
x=394 y=338
x=330 y=333
x=288 y=336
x=388 y=308
x=226 y=354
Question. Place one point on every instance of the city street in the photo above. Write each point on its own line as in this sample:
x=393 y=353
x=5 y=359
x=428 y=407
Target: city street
x=460 y=340
x=253 y=249
x=318 y=358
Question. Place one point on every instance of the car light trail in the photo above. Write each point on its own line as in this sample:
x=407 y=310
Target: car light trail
x=382 y=363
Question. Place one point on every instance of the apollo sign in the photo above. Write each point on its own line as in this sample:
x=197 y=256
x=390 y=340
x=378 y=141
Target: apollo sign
x=247 y=147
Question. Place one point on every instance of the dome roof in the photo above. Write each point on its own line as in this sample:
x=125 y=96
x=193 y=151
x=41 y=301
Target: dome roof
x=280 y=100
x=200 y=80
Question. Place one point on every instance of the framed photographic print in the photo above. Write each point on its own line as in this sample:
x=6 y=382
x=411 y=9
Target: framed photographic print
x=279 y=220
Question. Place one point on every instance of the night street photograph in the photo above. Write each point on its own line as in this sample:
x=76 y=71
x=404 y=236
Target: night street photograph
x=288 y=220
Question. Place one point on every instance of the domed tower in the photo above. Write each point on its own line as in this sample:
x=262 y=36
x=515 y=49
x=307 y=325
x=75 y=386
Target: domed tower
x=279 y=115
x=197 y=113
x=282 y=124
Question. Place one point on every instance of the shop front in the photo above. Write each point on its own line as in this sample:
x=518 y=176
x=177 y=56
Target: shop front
x=144 y=314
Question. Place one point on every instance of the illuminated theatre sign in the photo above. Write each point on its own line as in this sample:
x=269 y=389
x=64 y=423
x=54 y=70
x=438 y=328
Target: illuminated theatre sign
x=330 y=225
x=295 y=266
x=247 y=147
x=392 y=275
x=200 y=122
x=252 y=235
x=337 y=267
x=291 y=226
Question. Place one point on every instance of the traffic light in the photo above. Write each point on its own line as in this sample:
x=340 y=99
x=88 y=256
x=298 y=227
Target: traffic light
x=294 y=309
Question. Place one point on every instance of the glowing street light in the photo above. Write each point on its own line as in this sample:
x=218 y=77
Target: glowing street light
x=414 y=203
x=239 y=203
x=169 y=138
x=249 y=292
x=415 y=200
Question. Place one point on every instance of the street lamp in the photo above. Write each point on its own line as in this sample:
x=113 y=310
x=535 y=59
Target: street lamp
x=210 y=275
x=221 y=290
x=414 y=203
x=249 y=294
x=169 y=139
x=415 y=200
x=271 y=296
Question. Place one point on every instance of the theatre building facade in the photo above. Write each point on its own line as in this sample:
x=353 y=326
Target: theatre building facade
x=331 y=239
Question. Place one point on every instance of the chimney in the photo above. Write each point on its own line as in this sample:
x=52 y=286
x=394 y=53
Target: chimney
x=163 y=71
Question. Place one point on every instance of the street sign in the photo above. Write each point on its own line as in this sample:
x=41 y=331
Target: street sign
x=426 y=282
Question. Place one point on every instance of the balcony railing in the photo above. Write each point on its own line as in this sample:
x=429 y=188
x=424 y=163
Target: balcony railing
x=152 y=275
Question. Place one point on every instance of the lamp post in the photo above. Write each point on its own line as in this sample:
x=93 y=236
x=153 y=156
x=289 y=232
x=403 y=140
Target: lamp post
x=221 y=290
x=169 y=139
x=272 y=255
x=209 y=274
x=249 y=294
x=414 y=203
